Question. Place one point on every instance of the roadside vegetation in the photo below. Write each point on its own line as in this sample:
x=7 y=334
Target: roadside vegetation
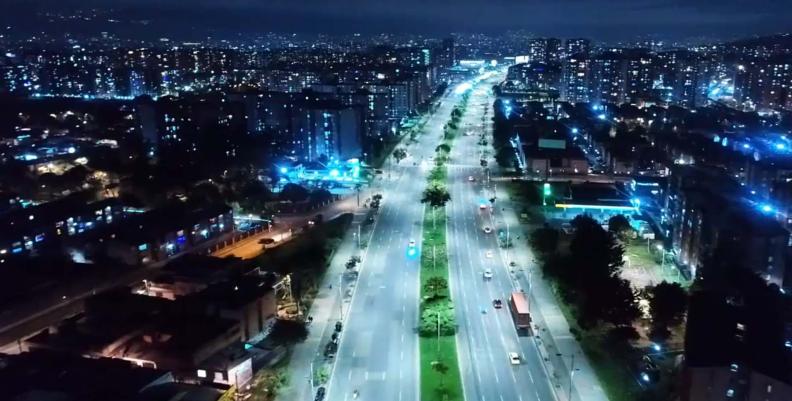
x=615 y=323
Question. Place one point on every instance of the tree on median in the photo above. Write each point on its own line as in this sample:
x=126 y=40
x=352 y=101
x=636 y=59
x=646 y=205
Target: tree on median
x=442 y=369
x=436 y=195
x=435 y=286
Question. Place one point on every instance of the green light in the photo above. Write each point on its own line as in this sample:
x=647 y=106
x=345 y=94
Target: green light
x=547 y=190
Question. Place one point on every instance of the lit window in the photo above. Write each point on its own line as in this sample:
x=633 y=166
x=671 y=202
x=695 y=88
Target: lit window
x=201 y=373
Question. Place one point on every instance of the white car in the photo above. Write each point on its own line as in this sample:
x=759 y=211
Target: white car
x=487 y=230
x=488 y=254
x=412 y=243
x=482 y=206
x=514 y=358
x=471 y=178
x=487 y=274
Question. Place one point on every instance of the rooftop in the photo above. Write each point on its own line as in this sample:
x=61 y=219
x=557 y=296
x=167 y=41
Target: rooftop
x=74 y=377
x=154 y=224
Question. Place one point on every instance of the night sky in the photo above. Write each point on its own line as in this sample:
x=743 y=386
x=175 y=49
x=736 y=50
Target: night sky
x=599 y=19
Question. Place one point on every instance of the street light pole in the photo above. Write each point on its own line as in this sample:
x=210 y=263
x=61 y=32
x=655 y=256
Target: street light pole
x=341 y=295
x=311 y=378
x=571 y=374
x=530 y=287
x=438 y=334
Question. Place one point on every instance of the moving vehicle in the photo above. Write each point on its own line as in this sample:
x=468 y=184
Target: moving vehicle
x=497 y=303
x=519 y=309
x=411 y=249
x=514 y=358
x=471 y=178
x=488 y=254
x=487 y=274
x=482 y=206
x=320 y=394
x=487 y=230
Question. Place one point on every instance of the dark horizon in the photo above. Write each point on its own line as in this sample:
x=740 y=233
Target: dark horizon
x=624 y=20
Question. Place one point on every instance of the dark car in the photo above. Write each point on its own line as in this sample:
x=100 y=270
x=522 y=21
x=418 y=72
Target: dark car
x=338 y=326
x=497 y=303
x=330 y=349
x=320 y=394
x=267 y=241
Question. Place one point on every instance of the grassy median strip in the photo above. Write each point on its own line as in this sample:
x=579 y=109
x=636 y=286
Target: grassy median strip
x=440 y=375
x=440 y=378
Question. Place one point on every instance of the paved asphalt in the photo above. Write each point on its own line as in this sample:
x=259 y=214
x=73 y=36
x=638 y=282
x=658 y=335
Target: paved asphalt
x=485 y=339
x=251 y=247
x=378 y=354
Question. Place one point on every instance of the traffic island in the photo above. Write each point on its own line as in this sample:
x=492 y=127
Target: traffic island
x=440 y=378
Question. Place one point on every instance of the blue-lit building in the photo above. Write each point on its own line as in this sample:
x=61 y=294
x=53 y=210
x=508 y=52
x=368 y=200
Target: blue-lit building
x=326 y=130
x=708 y=209
x=25 y=230
x=156 y=235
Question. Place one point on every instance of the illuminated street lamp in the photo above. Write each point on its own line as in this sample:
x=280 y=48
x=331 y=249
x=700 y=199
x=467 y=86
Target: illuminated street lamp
x=546 y=191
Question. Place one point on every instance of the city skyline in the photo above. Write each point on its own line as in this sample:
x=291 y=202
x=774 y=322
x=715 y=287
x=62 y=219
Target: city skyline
x=196 y=207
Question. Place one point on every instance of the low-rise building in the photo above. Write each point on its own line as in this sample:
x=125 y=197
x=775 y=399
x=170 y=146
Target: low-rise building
x=24 y=230
x=44 y=375
x=158 y=234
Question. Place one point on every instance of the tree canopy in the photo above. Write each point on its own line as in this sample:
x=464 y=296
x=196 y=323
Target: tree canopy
x=436 y=195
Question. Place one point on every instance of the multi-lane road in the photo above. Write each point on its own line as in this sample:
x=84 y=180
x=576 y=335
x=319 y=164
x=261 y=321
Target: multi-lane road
x=486 y=335
x=378 y=352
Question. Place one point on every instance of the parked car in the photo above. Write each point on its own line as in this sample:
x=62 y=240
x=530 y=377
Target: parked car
x=320 y=394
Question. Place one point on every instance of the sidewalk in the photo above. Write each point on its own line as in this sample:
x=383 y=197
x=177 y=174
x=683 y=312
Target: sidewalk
x=330 y=306
x=553 y=336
